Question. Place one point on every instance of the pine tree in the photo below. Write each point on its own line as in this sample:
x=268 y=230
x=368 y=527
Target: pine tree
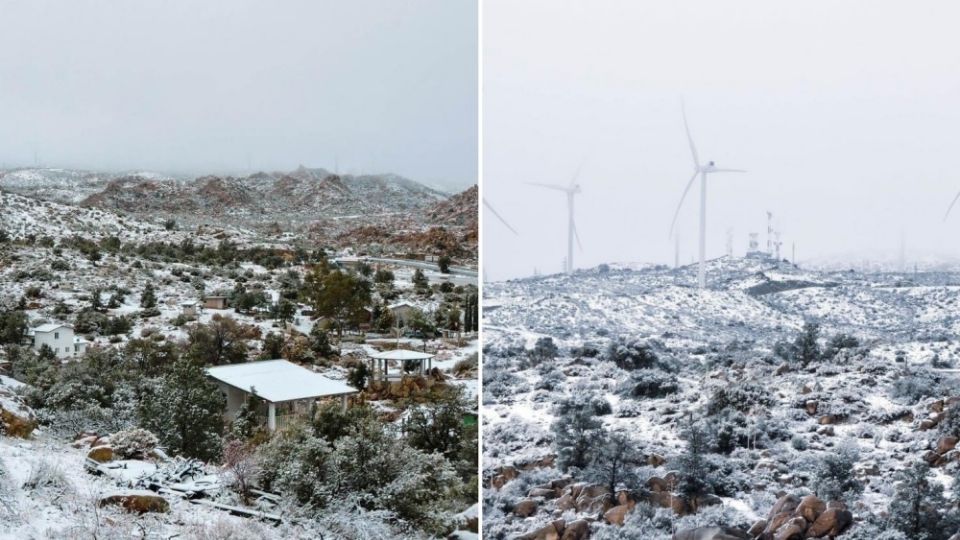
x=575 y=434
x=692 y=464
x=185 y=410
x=615 y=461
x=806 y=345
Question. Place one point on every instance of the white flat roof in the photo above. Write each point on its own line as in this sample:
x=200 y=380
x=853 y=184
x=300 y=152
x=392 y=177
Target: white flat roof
x=401 y=354
x=279 y=380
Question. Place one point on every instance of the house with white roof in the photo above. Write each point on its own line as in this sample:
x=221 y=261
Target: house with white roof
x=403 y=312
x=286 y=389
x=60 y=338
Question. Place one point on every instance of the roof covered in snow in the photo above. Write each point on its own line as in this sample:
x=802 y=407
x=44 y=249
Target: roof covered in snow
x=279 y=380
x=49 y=327
x=401 y=354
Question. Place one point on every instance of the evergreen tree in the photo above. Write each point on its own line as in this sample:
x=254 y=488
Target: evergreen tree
x=320 y=342
x=443 y=262
x=438 y=427
x=96 y=302
x=148 y=300
x=692 y=464
x=575 y=434
x=615 y=461
x=357 y=376
x=338 y=295
x=807 y=348
x=185 y=410
x=918 y=508
x=420 y=281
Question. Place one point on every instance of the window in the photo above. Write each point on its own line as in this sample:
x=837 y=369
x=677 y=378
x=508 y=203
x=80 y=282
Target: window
x=56 y=335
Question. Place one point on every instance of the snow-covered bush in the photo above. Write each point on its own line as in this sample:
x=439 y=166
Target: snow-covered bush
x=648 y=383
x=834 y=477
x=743 y=397
x=134 y=443
x=47 y=476
x=632 y=355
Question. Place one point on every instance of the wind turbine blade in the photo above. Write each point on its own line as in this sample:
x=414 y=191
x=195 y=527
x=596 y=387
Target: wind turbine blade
x=573 y=181
x=576 y=235
x=548 y=186
x=498 y=216
x=726 y=170
x=686 y=127
x=684 y=196
x=945 y=216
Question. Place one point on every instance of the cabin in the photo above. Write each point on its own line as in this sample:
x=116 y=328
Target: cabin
x=215 y=302
x=403 y=312
x=286 y=390
x=60 y=338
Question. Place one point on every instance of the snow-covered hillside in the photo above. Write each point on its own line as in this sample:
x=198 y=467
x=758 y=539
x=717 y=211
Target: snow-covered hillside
x=783 y=372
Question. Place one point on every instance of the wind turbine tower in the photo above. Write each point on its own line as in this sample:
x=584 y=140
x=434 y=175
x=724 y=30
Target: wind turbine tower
x=701 y=170
x=729 y=243
x=571 y=190
x=769 y=232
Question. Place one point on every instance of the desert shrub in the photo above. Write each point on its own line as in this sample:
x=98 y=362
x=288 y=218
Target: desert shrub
x=551 y=378
x=840 y=342
x=834 y=477
x=631 y=355
x=648 y=383
x=742 y=397
x=47 y=476
x=923 y=383
x=543 y=349
x=134 y=443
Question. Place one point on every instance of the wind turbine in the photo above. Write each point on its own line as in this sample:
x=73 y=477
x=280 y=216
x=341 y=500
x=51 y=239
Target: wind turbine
x=702 y=171
x=498 y=216
x=949 y=208
x=572 y=189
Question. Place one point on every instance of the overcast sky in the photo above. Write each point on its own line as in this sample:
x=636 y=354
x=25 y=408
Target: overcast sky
x=845 y=114
x=374 y=85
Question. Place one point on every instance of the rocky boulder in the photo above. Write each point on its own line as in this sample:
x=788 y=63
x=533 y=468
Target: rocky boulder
x=576 y=530
x=16 y=419
x=830 y=523
x=525 y=508
x=139 y=502
x=101 y=454
x=711 y=533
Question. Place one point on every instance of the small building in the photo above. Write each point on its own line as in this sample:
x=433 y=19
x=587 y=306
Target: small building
x=403 y=312
x=60 y=338
x=215 y=302
x=286 y=389
x=190 y=309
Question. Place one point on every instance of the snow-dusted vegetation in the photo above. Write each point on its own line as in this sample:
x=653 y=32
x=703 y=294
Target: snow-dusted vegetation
x=779 y=403
x=117 y=430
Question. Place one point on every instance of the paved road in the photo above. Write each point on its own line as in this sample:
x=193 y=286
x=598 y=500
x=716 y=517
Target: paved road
x=423 y=265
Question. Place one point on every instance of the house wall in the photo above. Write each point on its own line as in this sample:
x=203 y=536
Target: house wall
x=215 y=303
x=60 y=340
x=403 y=314
x=235 y=400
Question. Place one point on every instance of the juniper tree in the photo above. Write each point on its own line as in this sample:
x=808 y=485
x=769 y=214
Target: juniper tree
x=148 y=299
x=185 y=410
x=918 y=508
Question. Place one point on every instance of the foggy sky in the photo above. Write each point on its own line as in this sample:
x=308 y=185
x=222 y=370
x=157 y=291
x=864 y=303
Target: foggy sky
x=183 y=86
x=845 y=114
